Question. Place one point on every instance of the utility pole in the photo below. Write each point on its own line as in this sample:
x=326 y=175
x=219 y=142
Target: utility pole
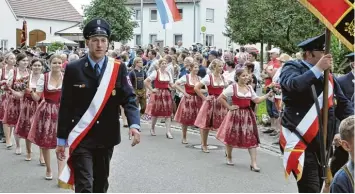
x=141 y=23
x=194 y=21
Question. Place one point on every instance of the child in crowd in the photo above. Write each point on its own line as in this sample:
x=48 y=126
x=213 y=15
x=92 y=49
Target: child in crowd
x=343 y=181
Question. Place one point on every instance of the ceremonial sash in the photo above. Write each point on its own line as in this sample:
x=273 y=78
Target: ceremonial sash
x=293 y=146
x=86 y=122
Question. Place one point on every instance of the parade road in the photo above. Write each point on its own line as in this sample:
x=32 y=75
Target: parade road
x=158 y=165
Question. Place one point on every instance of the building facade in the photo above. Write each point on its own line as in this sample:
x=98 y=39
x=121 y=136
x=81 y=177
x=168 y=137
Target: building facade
x=203 y=21
x=44 y=18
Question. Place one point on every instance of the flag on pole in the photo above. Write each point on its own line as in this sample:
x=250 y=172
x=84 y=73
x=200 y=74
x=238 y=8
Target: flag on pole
x=337 y=16
x=24 y=34
x=168 y=12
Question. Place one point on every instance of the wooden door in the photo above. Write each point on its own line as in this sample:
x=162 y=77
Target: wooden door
x=37 y=36
x=18 y=37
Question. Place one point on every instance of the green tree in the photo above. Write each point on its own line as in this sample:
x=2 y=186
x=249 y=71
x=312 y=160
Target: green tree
x=338 y=51
x=282 y=23
x=116 y=14
x=55 y=46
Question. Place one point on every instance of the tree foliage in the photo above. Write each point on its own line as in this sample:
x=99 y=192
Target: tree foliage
x=55 y=46
x=282 y=23
x=116 y=14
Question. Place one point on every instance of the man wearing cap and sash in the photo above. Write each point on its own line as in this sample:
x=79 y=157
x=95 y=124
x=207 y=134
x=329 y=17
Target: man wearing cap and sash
x=93 y=89
x=302 y=82
x=346 y=83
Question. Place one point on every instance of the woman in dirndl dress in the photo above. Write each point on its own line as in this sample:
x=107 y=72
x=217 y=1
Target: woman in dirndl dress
x=17 y=81
x=10 y=61
x=28 y=107
x=212 y=112
x=160 y=103
x=190 y=103
x=239 y=129
x=43 y=130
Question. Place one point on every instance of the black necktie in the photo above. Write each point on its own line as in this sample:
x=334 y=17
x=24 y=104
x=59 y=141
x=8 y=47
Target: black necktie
x=97 y=70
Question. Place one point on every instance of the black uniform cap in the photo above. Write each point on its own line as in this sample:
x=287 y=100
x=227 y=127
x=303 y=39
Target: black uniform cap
x=29 y=53
x=97 y=27
x=16 y=51
x=350 y=57
x=313 y=44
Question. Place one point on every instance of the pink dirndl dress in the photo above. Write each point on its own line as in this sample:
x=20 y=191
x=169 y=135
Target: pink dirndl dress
x=12 y=109
x=212 y=112
x=239 y=128
x=188 y=109
x=28 y=108
x=3 y=94
x=43 y=130
x=160 y=103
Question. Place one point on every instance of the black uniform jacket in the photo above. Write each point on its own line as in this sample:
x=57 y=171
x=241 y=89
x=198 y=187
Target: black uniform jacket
x=296 y=80
x=347 y=85
x=76 y=100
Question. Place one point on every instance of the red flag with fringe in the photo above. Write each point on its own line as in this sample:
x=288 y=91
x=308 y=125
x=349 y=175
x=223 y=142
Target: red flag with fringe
x=24 y=34
x=337 y=16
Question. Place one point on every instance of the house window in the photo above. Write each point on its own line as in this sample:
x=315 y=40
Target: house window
x=152 y=38
x=138 y=39
x=153 y=15
x=181 y=12
x=209 y=15
x=177 y=38
x=137 y=14
x=209 y=40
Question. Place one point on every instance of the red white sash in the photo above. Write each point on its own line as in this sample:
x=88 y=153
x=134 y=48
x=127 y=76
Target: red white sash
x=293 y=159
x=97 y=104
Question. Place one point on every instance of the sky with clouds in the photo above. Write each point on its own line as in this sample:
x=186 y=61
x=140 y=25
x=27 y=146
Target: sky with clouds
x=78 y=3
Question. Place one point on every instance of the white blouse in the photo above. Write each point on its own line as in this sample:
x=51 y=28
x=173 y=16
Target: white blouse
x=11 y=76
x=183 y=80
x=162 y=77
x=40 y=83
x=206 y=81
x=228 y=92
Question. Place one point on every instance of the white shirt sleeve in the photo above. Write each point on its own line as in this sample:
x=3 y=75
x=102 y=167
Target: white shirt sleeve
x=206 y=80
x=181 y=81
x=153 y=76
x=40 y=84
x=10 y=77
x=228 y=92
x=253 y=94
x=171 y=78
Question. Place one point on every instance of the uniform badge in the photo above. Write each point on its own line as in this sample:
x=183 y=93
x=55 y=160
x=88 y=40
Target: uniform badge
x=86 y=64
x=98 y=22
x=113 y=92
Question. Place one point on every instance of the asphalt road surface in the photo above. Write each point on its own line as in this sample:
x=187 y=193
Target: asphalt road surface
x=159 y=165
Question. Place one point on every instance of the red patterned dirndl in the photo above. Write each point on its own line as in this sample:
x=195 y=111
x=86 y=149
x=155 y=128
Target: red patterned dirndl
x=28 y=108
x=3 y=95
x=13 y=104
x=188 y=109
x=212 y=112
x=239 y=128
x=43 y=130
x=160 y=103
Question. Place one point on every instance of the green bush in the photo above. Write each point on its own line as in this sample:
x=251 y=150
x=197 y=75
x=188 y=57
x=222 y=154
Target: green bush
x=55 y=46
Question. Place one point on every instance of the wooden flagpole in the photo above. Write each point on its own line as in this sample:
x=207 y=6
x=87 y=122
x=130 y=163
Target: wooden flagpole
x=329 y=176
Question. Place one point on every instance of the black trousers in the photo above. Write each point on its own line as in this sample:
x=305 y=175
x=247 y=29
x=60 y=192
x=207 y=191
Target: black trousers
x=91 y=169
x=311 y=181
x=2 y=134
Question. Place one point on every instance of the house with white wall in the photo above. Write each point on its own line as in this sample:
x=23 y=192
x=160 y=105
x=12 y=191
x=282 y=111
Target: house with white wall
x=196 y=14
x=44 y=18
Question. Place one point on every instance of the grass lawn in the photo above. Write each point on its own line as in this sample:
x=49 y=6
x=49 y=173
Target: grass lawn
x=261 y=109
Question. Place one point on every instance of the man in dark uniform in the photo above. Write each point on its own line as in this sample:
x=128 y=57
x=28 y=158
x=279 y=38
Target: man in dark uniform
x=296 y=80
x=346 y=83
x=91 y=158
